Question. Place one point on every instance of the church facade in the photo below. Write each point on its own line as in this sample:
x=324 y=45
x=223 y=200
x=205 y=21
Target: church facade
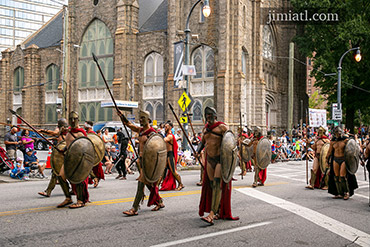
x=240 y=63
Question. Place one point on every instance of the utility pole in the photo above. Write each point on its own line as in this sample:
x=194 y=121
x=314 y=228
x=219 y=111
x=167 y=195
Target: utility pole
x=291 y=88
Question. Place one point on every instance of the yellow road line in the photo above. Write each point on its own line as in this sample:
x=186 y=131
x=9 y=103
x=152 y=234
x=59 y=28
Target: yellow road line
x=119 y=200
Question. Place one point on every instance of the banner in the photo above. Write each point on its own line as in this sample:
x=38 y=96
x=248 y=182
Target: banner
x=317 y=117
x=178 y=62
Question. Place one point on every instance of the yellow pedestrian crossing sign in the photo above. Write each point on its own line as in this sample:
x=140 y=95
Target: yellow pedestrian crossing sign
x=183 y=120
x=184 y=101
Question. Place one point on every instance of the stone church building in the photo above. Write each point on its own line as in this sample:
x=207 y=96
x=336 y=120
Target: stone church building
x=240 y=63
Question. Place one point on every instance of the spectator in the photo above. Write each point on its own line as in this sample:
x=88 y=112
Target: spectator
x=26 y=141
x=19 y=171
x=32 y=163
x=107 y=160
x=98 y=132
x=178 y=137
x=130 y=156
x=161 y=130
x=114 y=154
x=107 y=138
x=11 y=142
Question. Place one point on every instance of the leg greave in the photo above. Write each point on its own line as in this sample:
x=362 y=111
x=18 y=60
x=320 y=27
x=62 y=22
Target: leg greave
x=216 y=195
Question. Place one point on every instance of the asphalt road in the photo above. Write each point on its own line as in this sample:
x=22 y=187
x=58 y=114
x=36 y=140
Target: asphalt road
x=281 y=213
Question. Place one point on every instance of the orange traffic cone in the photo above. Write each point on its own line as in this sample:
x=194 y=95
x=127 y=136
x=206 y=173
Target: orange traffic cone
x=48 y=159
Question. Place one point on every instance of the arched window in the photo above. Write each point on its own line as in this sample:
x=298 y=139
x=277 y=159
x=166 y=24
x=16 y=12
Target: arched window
x=98 y=40
x=18 y=79
x=83 y=113
x=149 y=108
x=159 y=113
x=268 y=43
x=244 y=62
x=204 y=61
x=92 y=112
x=51 y=114
x=52 y=78
x=244 y=17
x=153 y=76
x=197 y=111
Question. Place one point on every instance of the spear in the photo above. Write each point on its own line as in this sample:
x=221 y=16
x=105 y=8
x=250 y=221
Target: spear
x=114 y=102
x=186 y=136
x=35 y=130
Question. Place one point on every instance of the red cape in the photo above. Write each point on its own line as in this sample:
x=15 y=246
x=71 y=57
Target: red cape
x=85 y=191
x=76 y=130
x=147 y=132
x=91 y=132
x=216 y=124
x=169 y=182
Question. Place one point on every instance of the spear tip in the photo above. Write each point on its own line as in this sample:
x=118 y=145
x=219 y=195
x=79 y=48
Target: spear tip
x=12 y=112
x=95 y=58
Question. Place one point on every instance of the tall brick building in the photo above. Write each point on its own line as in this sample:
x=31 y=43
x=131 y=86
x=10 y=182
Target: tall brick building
x=240 y=63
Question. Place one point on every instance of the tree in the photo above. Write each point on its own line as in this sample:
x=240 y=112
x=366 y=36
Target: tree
x=328 y=41
x=316 y=101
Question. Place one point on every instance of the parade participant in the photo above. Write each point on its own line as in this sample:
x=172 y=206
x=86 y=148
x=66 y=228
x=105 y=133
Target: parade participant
x=60 y=133
x=260 y=175
x=170 y=173
x=341 y=183
x=97 y=172
x=80 y=189
x=245 y=166
x=316 y=171
x=216 y=196
x=144 y=132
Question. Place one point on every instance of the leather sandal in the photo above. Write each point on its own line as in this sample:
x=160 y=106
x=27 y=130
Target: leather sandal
x=44 y=194
x=158 y=207
x=130 y=212
x=66 y=202
x=338 y=197
x=254 y=185
x=346 y=196
x=309 y=187
x=96 y=182
x=208 y=219
x=78 y=204
x=181 y=186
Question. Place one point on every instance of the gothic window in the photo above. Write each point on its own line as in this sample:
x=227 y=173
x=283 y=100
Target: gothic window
x=52 y=78
x=18 y=79
x=268 y=43
x=204 y=61
x=92 y=112
x=159 y=113
x=98 y=40
x=51 y=114
x=244 y=62
x=244 y=17
x=197 y=111
x=149 y=108
x=83 y=113
x=153 y=76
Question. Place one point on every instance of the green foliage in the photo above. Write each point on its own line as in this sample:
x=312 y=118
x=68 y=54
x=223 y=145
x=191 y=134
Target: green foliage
x=329 y=41
x=316 y=101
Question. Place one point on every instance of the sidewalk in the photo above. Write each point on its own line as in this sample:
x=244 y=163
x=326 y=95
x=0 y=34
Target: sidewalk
x=8 y=179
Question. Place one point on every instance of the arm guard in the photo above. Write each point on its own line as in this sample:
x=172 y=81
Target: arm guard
x=200 y=147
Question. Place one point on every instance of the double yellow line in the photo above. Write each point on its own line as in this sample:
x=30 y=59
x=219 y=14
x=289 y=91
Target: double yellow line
x=114 y=201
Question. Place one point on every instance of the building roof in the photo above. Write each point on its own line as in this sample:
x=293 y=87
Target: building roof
x=146 y=9
x=158 y=20
x=50 y=34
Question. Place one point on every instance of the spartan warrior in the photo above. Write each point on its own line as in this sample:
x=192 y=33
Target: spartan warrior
x=341 y=183
x=145 y=132
x=260 y=174
x=212 y=186
x=316 y=173
x=60 y=133
x=170 y=173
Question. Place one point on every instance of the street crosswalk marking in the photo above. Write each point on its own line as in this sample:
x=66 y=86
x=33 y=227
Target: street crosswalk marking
x=209 y=235
x=354 y=235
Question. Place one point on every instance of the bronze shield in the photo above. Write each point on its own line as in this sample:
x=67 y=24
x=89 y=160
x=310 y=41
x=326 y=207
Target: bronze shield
x=263 y=153
x=57 y=158
x=99 y=147
x=79 y=160
x=228 y=156
x=322 y=159
x=246 y=151
x=352 y=156
x=154 y=158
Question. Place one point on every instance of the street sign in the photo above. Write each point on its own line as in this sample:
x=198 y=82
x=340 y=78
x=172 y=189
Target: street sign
x=188 y=70
x=131 y=117
x=183 y=120
x=184 y=101
x=336 y=112
x=317 y=117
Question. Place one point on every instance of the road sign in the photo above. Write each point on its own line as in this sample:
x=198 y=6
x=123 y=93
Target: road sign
x=183 y=120
x=188 y=70
x=184 y=101
x=336 y=112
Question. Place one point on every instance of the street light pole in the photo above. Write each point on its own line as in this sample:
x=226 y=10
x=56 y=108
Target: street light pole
x=339 y=89
x=206 y=12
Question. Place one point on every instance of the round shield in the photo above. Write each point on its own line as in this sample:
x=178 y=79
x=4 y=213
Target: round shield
x=99 y=147
x=228 y=156
x=263 y=153
x=79 y=160
x=154 y=158
x=57 y=158
x=246 y=151
x=322 y=160
x=352 y=156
